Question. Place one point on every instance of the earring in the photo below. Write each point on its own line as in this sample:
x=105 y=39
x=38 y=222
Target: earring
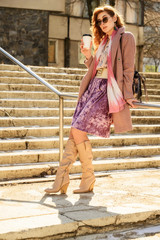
x=115 y=27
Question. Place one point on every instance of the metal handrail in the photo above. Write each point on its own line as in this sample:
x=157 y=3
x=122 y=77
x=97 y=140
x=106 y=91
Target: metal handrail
x=61 y=98
x=58 y=93
x=146 y=105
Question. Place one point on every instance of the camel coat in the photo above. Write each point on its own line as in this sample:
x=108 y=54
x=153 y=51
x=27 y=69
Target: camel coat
x=123 y=54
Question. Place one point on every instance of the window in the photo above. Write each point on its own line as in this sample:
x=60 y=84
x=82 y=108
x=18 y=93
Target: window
x=76 y=8
x=131 y=12
x=52 y=51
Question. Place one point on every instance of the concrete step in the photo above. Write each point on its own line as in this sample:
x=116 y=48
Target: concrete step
x=43 y=169
x=12 y=67
x=31 y=95
x=25 y=103
x=145 y=112
x=152 y=85
x=146 y=119
x=151 y=75
x=51 y=115
x=20 y=112
x=52 y=121
x=36 y=131
x=9 y=67
x=51 y=95
x=27 y=213
x=59 y=70
x=22 y=80
x=57 y=75
x=152 y=81
x=53 y=142
x=151 y=98
x=37 y=87
x=52 y=155
x=62 y=88
x=72 y=76
x=153 y=91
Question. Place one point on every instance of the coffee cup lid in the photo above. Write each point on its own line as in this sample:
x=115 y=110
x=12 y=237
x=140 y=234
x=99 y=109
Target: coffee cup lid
x=87 y=35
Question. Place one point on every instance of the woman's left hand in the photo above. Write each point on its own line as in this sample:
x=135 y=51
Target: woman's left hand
x=130 y=102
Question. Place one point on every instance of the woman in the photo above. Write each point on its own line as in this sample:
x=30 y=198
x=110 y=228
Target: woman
x=104 y=96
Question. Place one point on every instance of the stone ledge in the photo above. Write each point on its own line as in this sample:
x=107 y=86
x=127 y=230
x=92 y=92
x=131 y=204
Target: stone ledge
x=115 y=203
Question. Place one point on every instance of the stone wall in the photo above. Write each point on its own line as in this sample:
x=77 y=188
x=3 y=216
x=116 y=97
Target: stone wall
x=24 y=34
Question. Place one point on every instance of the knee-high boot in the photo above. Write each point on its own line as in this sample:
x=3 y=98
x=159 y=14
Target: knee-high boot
x=86 y=157
x=62 y=177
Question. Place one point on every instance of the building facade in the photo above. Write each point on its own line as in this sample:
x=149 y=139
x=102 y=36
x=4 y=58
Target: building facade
x=151 y=49
x=49 y=33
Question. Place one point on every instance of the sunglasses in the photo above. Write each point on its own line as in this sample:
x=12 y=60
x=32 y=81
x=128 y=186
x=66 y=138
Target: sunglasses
x=104 y=20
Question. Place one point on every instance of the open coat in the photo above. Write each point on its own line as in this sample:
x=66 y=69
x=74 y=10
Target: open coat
x=123 y=55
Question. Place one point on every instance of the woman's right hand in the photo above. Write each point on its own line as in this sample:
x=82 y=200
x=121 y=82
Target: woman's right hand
x=86 y=52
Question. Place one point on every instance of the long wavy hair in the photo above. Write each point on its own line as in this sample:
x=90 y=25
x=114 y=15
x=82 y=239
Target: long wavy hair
x=97 y=33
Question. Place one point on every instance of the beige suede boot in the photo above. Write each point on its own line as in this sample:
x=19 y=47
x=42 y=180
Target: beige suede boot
x=86 y=157
x=62 y=177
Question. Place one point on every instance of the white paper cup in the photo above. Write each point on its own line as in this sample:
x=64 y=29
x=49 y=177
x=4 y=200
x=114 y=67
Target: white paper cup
x=87 y=40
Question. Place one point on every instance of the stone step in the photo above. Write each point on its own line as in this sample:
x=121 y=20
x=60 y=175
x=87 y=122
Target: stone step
x=36 y=131
x=25 y=103
x=12 y=67
x=145 y=119
x=51 y=114
x=38 y=87
x=152 y=85
x=59 y=70
x=152 y=79
x=30 y=95
x=53 y=142
x=51 y=95
x=5 y=67
x=52 y=155
x=43 y=169
x=52 y=121
x=57 y=75
x=151 y=75
x=145 y=112
x=42 y=75
x=151 y=98
x=153 y=91
x=20 y=112
x=150 y=82
x=22 y=80
x=62 y=88
x=46 y=69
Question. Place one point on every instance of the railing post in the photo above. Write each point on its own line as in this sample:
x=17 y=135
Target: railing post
x=61 y=117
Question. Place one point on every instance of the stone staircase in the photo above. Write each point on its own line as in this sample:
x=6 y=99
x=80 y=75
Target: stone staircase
x=29 y=126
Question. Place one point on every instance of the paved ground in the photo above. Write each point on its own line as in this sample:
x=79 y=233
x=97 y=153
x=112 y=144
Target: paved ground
x=120 y=198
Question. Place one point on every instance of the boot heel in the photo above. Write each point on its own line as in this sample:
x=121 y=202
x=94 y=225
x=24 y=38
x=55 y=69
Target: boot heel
x=64 y=188
x=91 y=187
